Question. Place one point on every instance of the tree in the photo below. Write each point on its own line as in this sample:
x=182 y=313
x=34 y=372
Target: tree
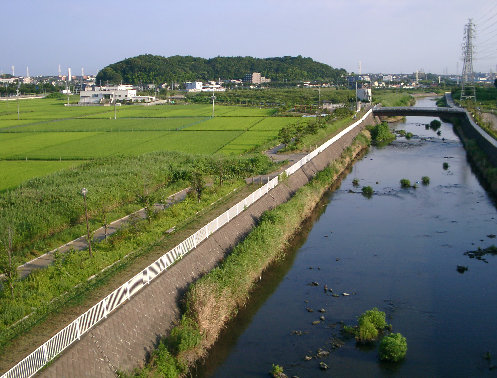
x=197 y=183
x=393 y=347
x=7 y=266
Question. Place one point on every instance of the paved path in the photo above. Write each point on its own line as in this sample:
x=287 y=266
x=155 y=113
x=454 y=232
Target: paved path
x=98 y=235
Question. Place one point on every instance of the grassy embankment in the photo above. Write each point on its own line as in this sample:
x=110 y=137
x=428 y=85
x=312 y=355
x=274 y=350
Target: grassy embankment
x=216 y=298
x=486 y=98
x=390 y=97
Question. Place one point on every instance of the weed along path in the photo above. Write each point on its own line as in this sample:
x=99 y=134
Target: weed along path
x=131 y=328
x=423 y=255
x=99 y=234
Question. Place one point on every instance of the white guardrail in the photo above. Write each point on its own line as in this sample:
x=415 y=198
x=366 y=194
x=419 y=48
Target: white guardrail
x=82 y=324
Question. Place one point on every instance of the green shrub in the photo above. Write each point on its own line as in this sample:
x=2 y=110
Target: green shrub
x=355 y=182
x=402 y=132
x=425 y=180
x=405 y=183
x=376 y=317
x=409 y=135
x=367 y=191
x=445 y=165
x=367 y=332
x=393 y=347
x=184 y=337
x=165 y=363
x=381 y=134
x=435 y=124
x=276 y=370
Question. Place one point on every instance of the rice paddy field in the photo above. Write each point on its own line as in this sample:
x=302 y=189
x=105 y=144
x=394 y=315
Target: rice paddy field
x=49 y=136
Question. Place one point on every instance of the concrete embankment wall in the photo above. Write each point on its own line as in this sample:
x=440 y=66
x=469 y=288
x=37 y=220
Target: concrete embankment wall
x=125 y=338
x=472 y=131
x=485 y=142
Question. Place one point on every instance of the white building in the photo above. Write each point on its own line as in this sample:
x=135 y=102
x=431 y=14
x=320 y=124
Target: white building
x=193 y=86
x=212 y=86
x=99 y=95
x=364 y=94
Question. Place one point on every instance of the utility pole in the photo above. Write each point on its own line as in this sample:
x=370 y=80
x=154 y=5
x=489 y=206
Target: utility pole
x=18 y=113
x=468 y=91
x=213 y=98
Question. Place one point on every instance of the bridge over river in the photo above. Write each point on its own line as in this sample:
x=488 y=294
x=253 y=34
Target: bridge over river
x=420 y=111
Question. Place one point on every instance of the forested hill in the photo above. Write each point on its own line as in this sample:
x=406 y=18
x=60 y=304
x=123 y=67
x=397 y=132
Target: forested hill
x=158 y=69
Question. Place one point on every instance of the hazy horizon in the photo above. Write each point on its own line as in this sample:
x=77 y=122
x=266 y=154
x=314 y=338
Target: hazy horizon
x=385 y=36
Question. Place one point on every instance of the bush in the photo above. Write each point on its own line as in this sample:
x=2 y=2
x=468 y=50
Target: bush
x=381 y=134
x=367 y=191
x=405 y=183
x=166 y=363
x=276 y=370
x=393 y=347
x=409 y=135
x=425 y=180
x=445 y=165
x=355 y=182
x=367 y=332
x=376 y=317
x=435 y=124
x=184 y=337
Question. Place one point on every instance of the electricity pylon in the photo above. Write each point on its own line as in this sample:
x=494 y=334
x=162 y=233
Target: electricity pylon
x=468 y=78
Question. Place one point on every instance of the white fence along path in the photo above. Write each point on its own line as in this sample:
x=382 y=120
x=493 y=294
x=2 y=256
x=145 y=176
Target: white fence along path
x=82 y=324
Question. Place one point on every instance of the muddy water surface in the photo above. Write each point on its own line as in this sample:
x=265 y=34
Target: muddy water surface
x=398 y=251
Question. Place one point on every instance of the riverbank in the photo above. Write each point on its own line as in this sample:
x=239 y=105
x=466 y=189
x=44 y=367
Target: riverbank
x=217 y=297
x=478 y=159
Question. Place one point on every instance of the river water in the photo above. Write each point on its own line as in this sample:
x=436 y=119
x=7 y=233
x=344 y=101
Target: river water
x=399 y=251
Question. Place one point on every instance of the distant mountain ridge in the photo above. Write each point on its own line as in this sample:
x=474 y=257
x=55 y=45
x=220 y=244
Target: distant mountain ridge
x=158 y=69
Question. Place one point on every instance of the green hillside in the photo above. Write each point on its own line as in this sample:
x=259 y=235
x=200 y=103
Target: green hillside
x=158 y=69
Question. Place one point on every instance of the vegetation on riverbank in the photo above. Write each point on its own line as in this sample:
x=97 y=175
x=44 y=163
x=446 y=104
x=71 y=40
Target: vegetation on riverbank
x=74 y=275
x=392 y=97
x=216 y=298
x=47 y=212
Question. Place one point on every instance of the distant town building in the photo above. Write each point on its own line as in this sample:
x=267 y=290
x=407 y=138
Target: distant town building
x=212 y=86
x=195 y=86
x=119 y=93
x=255 y=78
x=364 y=94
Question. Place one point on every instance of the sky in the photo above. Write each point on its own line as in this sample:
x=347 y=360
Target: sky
x=386 y=36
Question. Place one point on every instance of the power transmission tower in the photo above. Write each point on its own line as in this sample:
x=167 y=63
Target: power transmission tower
x=468 y=77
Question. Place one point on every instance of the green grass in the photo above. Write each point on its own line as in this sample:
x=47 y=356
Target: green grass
x=389 y=97
x=17 y=172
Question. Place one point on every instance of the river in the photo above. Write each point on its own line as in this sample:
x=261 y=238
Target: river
x=399 y=251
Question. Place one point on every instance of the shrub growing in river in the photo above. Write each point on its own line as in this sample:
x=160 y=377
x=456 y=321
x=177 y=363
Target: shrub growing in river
x=435 y=124
x=381 y=134
x=405 y=183
x=376 y=317
x=355 y=182
x=445 y=165
x=393 y=347
x=366 y=332
x=425 y=180
x=367 y=191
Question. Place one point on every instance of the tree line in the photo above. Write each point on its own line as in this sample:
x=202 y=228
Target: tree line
x=158 y=69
